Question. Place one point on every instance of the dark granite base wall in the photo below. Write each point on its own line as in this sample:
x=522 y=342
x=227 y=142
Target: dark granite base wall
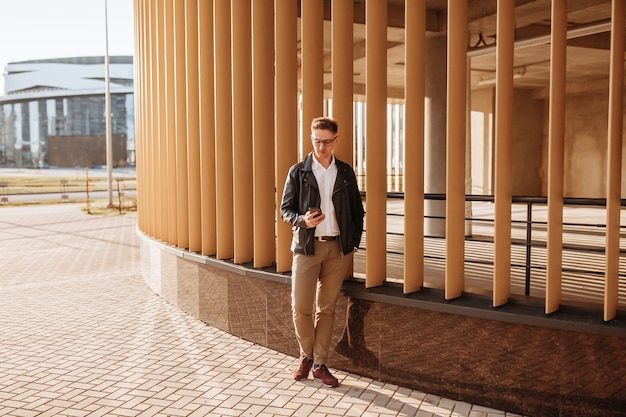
x=521 y=368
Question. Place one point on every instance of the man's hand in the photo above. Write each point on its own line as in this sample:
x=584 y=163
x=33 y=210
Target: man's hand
x=313 y=218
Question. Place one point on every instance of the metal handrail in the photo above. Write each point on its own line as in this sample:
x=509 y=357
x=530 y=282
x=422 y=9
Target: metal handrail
x=529 y=201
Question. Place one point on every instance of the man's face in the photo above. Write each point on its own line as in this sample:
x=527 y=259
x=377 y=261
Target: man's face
x=324 y=142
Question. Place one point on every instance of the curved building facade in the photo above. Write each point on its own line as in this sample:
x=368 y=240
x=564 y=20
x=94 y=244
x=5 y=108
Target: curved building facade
x=491 y=269
x=53 y=112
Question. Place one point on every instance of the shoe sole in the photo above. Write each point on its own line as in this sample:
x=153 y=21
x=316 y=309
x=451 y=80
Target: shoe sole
x=328 y=385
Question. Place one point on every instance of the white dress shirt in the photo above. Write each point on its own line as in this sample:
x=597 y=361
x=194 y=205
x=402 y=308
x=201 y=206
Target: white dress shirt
x=326 y=178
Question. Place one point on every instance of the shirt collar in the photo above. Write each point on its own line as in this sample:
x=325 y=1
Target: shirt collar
x=317 y=165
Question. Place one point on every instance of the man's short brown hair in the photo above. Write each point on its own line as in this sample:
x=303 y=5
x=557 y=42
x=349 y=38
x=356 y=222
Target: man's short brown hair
x=324 y=123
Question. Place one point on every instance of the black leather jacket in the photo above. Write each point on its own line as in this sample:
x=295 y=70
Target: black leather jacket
x=301 y=192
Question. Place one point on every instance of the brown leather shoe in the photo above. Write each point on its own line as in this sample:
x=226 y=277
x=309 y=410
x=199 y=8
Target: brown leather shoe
x=323 y=374
x=303 y=369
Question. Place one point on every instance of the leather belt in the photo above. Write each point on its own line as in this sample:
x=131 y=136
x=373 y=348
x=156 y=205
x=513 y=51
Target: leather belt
x=326 y=238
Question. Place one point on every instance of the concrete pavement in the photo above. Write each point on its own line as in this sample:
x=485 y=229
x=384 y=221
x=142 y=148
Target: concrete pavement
x=81 y=334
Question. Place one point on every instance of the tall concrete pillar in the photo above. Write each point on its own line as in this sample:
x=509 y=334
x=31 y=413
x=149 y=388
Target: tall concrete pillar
x=435 y=134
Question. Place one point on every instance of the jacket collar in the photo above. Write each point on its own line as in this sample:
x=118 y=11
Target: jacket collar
x=308 y=162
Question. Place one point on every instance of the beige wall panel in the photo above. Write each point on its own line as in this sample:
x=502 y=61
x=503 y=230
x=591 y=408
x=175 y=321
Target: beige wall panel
x=263 y=133
x=503 y=148
x=585 y=146
x=556 y=138
x=223 y=131
x=312 y=70
x=527 y=147
x=286 y=116
x=180 y=94
x=169 y=114
x=456 y=137
x=415 y=80
x=242 y=130
x=527 y=143
x=481 y=132
x=207 y=127
x=193 y=125
x=614 y=161
x=342 y=79
x=375 y=181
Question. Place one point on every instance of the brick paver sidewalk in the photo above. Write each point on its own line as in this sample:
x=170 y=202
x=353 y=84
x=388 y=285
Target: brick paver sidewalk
x=82 y=335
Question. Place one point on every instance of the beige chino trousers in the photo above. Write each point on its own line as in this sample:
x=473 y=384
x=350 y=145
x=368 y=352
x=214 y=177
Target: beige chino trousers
x=315 y=284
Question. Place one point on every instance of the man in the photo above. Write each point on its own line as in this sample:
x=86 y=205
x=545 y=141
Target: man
x=322 y=202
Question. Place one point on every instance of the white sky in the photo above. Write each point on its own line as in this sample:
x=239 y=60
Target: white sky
x=38 y=29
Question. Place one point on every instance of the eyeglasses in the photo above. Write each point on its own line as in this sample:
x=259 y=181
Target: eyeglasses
x=319 y=142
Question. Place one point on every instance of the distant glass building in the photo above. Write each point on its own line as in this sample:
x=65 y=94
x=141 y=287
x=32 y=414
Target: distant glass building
x=64 y=99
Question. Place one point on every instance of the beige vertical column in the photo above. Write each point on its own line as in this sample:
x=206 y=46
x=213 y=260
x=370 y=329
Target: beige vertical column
x=180 y=100
x=414 y=95
x=145 y=187
x=503 y=152
x=342 y=44
x=146 y=194
x=169 y=114
x=263 y=132
x=143 y=149
x=141 y=75
x=375 y=134
x=556 y=138
x=140 y=104
x=312 y=67
x=151 y=148
x=455 y=159
x=614 y=161
x=156 y=137
x=160 y=126
x=140 y=62
x=242 y=129
x=193 y=125
x=223 y=131
x=207 y=127
x=286 y=115
x=342 y=78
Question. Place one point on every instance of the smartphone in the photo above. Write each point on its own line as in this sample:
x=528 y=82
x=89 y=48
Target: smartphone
x=315 y=210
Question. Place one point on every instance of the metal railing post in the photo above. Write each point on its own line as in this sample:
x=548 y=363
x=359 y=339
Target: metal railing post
x=529 y=232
